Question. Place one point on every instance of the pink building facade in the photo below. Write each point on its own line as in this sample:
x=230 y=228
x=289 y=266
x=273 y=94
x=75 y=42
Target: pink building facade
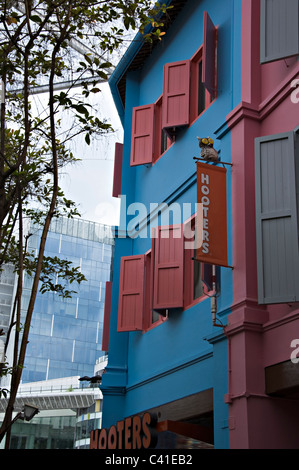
x=263 y=382
x=237 y=378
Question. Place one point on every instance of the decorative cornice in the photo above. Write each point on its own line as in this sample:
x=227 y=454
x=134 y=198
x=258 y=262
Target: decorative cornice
x=228 y=399
x=108 y=390
x=258 y=325
x=172 y=370
x=243 y=326
x=248 y=303
x=289 y=318
x=216 y=337
x=259 y=111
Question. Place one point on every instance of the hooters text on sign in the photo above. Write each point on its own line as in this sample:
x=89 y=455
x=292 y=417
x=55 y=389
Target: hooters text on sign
x=211 y=193
x=136 y=432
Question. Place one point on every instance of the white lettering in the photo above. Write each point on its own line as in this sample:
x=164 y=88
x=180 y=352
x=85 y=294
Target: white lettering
x=205 y=248
x=115 y=460
x=204 y=178
x=295 y=93
x=205 y=211
x=205 y=200
x=205 y=235
x=205 y=190
x=134 y=226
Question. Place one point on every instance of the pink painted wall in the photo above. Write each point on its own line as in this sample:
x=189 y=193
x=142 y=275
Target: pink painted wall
x=258 y=336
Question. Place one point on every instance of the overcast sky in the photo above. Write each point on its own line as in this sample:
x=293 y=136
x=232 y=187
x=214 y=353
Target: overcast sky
x=89 y=182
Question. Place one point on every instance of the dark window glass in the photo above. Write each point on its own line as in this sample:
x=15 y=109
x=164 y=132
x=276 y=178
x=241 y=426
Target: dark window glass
x=163 y=141
x=201 y=91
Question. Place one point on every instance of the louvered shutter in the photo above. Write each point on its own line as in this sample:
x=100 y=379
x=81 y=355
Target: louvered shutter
x=118 y=158
x=176 y=94
x=276 y=219
x=107 y=311
x=279 y=29
x=209 y=55
x=131 y=293
x=168 y=268
x=142 y=144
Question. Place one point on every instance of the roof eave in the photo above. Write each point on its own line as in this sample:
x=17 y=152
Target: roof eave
x=132 y=53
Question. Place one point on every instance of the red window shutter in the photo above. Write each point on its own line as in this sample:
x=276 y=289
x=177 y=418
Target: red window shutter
x=142 y=145
x=131 y=293
x=209 y=57
x=148 y=290
x=168 y=269
x=176 y=93
x=118 y=159
x=107 y=310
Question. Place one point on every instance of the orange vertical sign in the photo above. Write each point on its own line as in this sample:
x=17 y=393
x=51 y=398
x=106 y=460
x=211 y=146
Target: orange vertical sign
x=211 y=193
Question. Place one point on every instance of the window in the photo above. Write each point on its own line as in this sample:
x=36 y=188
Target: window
x=189 y=87
x=279 y=29
x=151 y=317
x=197 y=275
x=162 y=141
x=164 y=278
x=276 y=162
x=200 y=97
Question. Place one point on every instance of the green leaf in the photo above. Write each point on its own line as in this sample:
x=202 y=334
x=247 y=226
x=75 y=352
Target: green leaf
x=36 y=19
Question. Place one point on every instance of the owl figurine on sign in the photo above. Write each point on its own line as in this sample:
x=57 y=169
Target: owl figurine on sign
x=208 y=152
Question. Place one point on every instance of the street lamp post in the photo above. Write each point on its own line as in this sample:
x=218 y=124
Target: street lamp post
x=28 y=412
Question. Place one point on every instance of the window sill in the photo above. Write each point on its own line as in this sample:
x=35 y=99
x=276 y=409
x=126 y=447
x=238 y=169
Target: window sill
x=162 y=154
x=154 y=325
x=192 y=304
x=199 y=300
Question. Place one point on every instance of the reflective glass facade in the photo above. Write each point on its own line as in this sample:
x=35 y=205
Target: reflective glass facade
x=66 y=334
x=51 y=431
x=7 y=282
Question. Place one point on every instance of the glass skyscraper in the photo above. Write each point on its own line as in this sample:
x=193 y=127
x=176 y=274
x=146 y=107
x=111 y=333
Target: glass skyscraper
x=7 y=285
x=66 y=334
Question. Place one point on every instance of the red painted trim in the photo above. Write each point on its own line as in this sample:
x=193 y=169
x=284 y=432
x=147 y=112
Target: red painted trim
x=131 y=293
x=176 y=94
x=118 y=159
x=158 y=131
x=209 y=54
x=142 y=141
x=169 y=268
x=107 y=312
x=260 y=111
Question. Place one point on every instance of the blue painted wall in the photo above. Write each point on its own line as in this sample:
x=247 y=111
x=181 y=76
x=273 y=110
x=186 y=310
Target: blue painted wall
x=181 y=356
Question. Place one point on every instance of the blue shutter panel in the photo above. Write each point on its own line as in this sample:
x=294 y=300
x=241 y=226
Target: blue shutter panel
x=276 y=219
x=279 y=29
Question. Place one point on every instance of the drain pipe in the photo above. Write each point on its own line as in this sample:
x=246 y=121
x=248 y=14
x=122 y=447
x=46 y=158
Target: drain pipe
x=214 y=298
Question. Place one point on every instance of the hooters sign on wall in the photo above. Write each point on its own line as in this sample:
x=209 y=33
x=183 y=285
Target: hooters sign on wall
x=211 y=193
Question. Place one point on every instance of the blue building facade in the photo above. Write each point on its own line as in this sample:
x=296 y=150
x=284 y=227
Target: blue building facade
x=66 y=334
x=175 y=363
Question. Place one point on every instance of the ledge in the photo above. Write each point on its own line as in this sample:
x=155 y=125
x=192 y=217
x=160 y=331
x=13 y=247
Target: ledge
x=260 y=111
x=207 y=354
